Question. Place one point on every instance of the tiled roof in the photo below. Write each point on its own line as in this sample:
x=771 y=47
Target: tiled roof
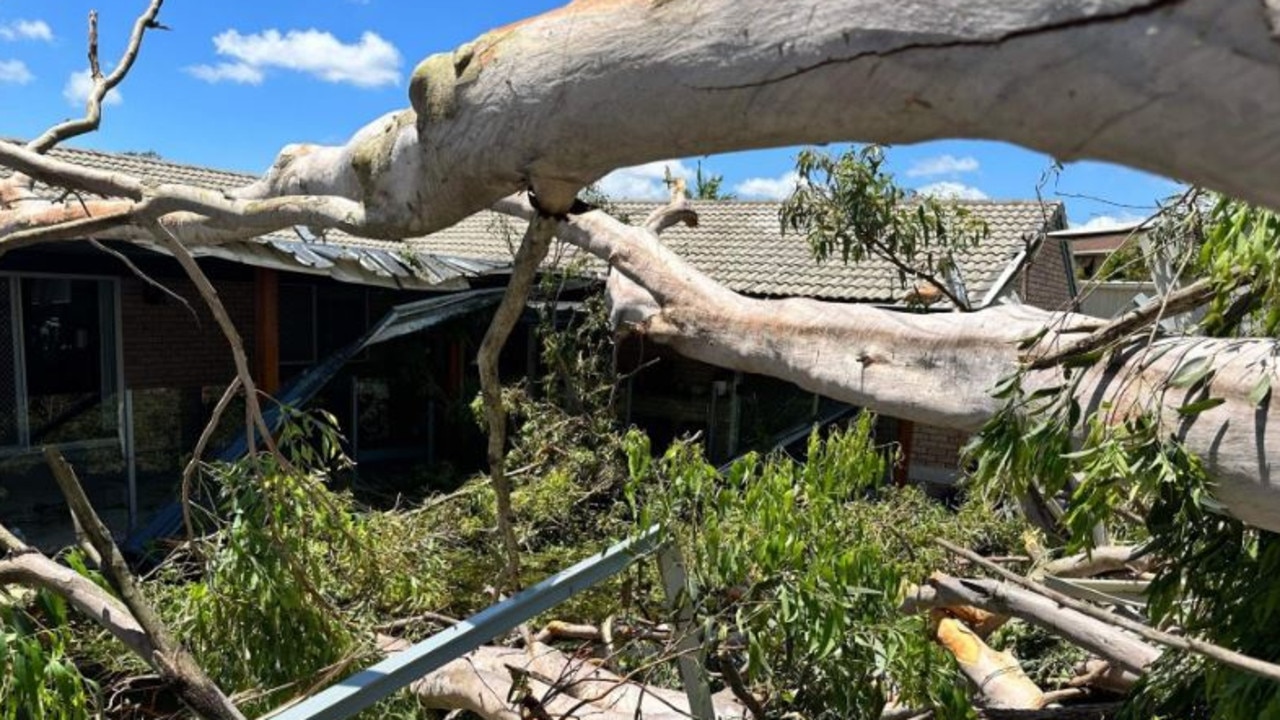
x=738 y=243
x=741 y=245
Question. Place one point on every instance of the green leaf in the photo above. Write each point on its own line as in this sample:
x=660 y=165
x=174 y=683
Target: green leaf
x=1192 y=372
x=1261 y=391
x=1195 y=408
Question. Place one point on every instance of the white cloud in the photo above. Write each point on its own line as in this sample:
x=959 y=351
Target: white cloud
x=948 y=190
x=78 y=87
x=943 y=165
x=26 y=30
x=371 y=62
x=15 y=71
x=644 y=182
x=1106 y=222
x=231 y=72
x=759 y=188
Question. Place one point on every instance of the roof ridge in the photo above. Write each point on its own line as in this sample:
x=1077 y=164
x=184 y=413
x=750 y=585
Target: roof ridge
x=136 y=156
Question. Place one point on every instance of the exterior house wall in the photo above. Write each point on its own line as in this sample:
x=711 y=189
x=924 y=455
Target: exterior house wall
x=164 y=346
x=1045 y=282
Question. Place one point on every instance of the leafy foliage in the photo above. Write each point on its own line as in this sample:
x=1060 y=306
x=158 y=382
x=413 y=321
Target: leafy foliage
x=802 y=567
x=290 y=575
x=38 y=679
x=850 y=206
x=1240 y=243
x=709 y=187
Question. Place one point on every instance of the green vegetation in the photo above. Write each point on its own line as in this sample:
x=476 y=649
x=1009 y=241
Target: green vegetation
x=803 y=565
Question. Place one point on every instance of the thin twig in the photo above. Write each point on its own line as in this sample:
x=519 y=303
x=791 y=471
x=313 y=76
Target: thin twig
x=189 y=472
x=733 y=679
x=138 y=273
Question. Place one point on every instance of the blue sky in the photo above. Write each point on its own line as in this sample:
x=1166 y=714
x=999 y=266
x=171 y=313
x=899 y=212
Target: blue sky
x=235 y=81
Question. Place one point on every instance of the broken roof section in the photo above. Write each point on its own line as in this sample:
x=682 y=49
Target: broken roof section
x=402 y=320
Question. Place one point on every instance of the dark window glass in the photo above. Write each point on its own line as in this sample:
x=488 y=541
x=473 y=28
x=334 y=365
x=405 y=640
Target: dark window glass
x=341 y=315
x=68 y=354
x=8 y=370
x=297 y=324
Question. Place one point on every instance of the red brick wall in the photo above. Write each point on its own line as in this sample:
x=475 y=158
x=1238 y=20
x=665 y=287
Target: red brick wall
x=163 y=344
x=937 y=447
x=1044 y=282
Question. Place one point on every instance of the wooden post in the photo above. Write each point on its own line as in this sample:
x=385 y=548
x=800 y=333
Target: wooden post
x=266 y=329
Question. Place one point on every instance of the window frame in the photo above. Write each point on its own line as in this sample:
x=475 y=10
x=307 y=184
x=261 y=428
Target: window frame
x=18 y=341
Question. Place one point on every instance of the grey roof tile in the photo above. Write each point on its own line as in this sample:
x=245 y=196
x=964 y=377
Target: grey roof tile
x=741 y=245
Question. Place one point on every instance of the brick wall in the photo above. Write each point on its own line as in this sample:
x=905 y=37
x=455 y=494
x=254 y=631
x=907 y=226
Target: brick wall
x=1045 y=282
x=935 y=447
x=163 y=344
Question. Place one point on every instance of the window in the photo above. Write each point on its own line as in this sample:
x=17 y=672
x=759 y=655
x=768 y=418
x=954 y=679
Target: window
x=297 y=324
x=59 y=373
x=317 y=320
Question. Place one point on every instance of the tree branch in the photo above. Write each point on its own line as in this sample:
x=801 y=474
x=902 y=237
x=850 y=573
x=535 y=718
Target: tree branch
x=253 y=409
x=168 y=656
x=1175 y=303
x=1217 y=653
x=533 y=249
x=33 y=569
x=101 y=85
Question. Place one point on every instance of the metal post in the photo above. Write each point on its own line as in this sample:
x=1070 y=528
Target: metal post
x=681 y=596
x=130 y=459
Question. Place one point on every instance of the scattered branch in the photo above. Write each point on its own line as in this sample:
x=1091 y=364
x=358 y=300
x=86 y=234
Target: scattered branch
x=1220 y=654
x=189 y=472
x=168 y=657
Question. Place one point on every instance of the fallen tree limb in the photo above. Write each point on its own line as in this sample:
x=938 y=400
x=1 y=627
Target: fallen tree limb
x=167 y=656
x=1217 y=653
x=1099 y=637
x=998 y=676
x=1098 y=561
x=533 y=249
x=31 y=568
x=481 y=682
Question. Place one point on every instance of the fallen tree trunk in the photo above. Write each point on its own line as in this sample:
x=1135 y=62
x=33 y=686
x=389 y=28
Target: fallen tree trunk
x=617 y=82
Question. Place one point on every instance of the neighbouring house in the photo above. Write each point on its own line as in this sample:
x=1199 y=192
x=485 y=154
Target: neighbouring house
x=1110 y=267
x=122 y=373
